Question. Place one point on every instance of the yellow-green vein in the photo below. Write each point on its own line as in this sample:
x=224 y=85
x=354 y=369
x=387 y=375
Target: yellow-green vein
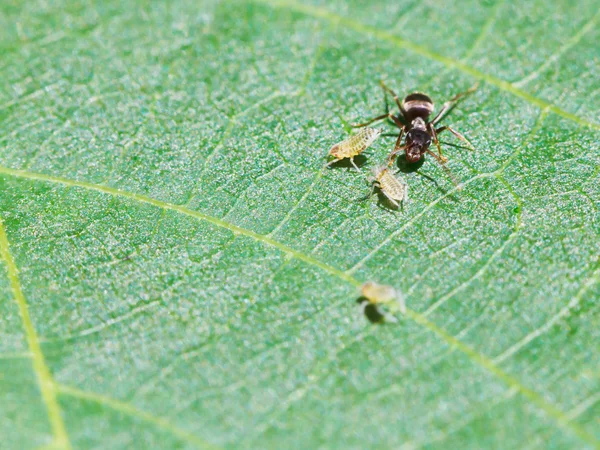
x=569 y=43
x=183 y=210
x=480 y=360
x=323 y=13
x=45 y=381
x=131 y=410
x=559 y=416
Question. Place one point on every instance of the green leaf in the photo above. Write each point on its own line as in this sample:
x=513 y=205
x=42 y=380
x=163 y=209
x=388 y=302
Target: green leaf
x=179 y=271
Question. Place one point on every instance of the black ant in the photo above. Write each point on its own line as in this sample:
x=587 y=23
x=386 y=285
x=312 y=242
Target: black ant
x=413 y=120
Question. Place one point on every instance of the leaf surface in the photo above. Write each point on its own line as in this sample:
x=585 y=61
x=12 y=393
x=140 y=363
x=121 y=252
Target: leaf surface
x=179 y=271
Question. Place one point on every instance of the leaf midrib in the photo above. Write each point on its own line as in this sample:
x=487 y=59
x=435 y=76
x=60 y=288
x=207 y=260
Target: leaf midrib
x=564 y=420
x=558 y=415
x=45 y=381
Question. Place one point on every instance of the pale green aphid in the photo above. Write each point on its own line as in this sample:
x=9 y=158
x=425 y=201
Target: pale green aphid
x=354 y=145
x=382 y=294
x=395 y=190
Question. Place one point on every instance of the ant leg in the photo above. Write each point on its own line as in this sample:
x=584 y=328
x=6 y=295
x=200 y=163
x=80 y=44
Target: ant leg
x=387 y=89
x=385 y=100
x=387 y=110
x=368 y=122
x=394 y=154
x=397 y=148
x=437 y=143
x=455 y=133
x=396 y=121
x=441 y=162
x=451 y=103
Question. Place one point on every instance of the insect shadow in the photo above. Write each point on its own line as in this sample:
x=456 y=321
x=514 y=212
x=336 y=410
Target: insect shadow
x=359 y=160
x=370 y=310
x=452 y=144
x=405 y=167
x=382 y=201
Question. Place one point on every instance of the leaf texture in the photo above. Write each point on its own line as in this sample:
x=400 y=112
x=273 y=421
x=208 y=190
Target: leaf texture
x=180 y=271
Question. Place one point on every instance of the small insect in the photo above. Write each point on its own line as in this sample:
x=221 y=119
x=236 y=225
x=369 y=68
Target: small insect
x=413 y=120
x=395 y=191
x=381 y=294
x=354 y=145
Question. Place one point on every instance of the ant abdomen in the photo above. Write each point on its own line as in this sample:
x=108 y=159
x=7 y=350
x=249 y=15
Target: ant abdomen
x=417 y=105
x=414 y=123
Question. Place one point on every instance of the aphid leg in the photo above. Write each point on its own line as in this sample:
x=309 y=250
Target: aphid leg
x=355 y=166
x=401 y=303
x=333 y=161
x=387 y=89
x=405 y=196
x=370 y=194
x=455 y=133
x=437 y=158
x=451 y=103
x=369 y=122
x=388 y=317
x=374 y=185
x=437 y=143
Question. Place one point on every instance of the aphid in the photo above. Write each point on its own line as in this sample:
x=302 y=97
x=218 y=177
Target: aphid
x=395 y=191
x=382 y=294
x=354 y=145
x=413 y=120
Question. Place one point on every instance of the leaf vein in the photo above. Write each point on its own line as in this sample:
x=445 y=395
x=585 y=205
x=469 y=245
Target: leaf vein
x=410 y=222
x=323 y=13
x=569 y=43
x=489 y=261
x=131 y=410
x=477 y=358
x=45 y=381
x=296 y=205
x=226 y=134
x=485 y=29
x=564 y=312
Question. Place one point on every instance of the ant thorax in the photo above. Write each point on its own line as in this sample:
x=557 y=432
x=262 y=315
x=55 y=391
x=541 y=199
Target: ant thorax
x=418 y=124
x=417 y=132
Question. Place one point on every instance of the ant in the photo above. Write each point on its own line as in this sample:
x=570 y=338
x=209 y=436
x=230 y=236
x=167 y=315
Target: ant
x=413 y=120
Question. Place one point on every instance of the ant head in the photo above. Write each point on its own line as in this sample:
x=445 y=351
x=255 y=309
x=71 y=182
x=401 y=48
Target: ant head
x=413 y=154
x=417 y=143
